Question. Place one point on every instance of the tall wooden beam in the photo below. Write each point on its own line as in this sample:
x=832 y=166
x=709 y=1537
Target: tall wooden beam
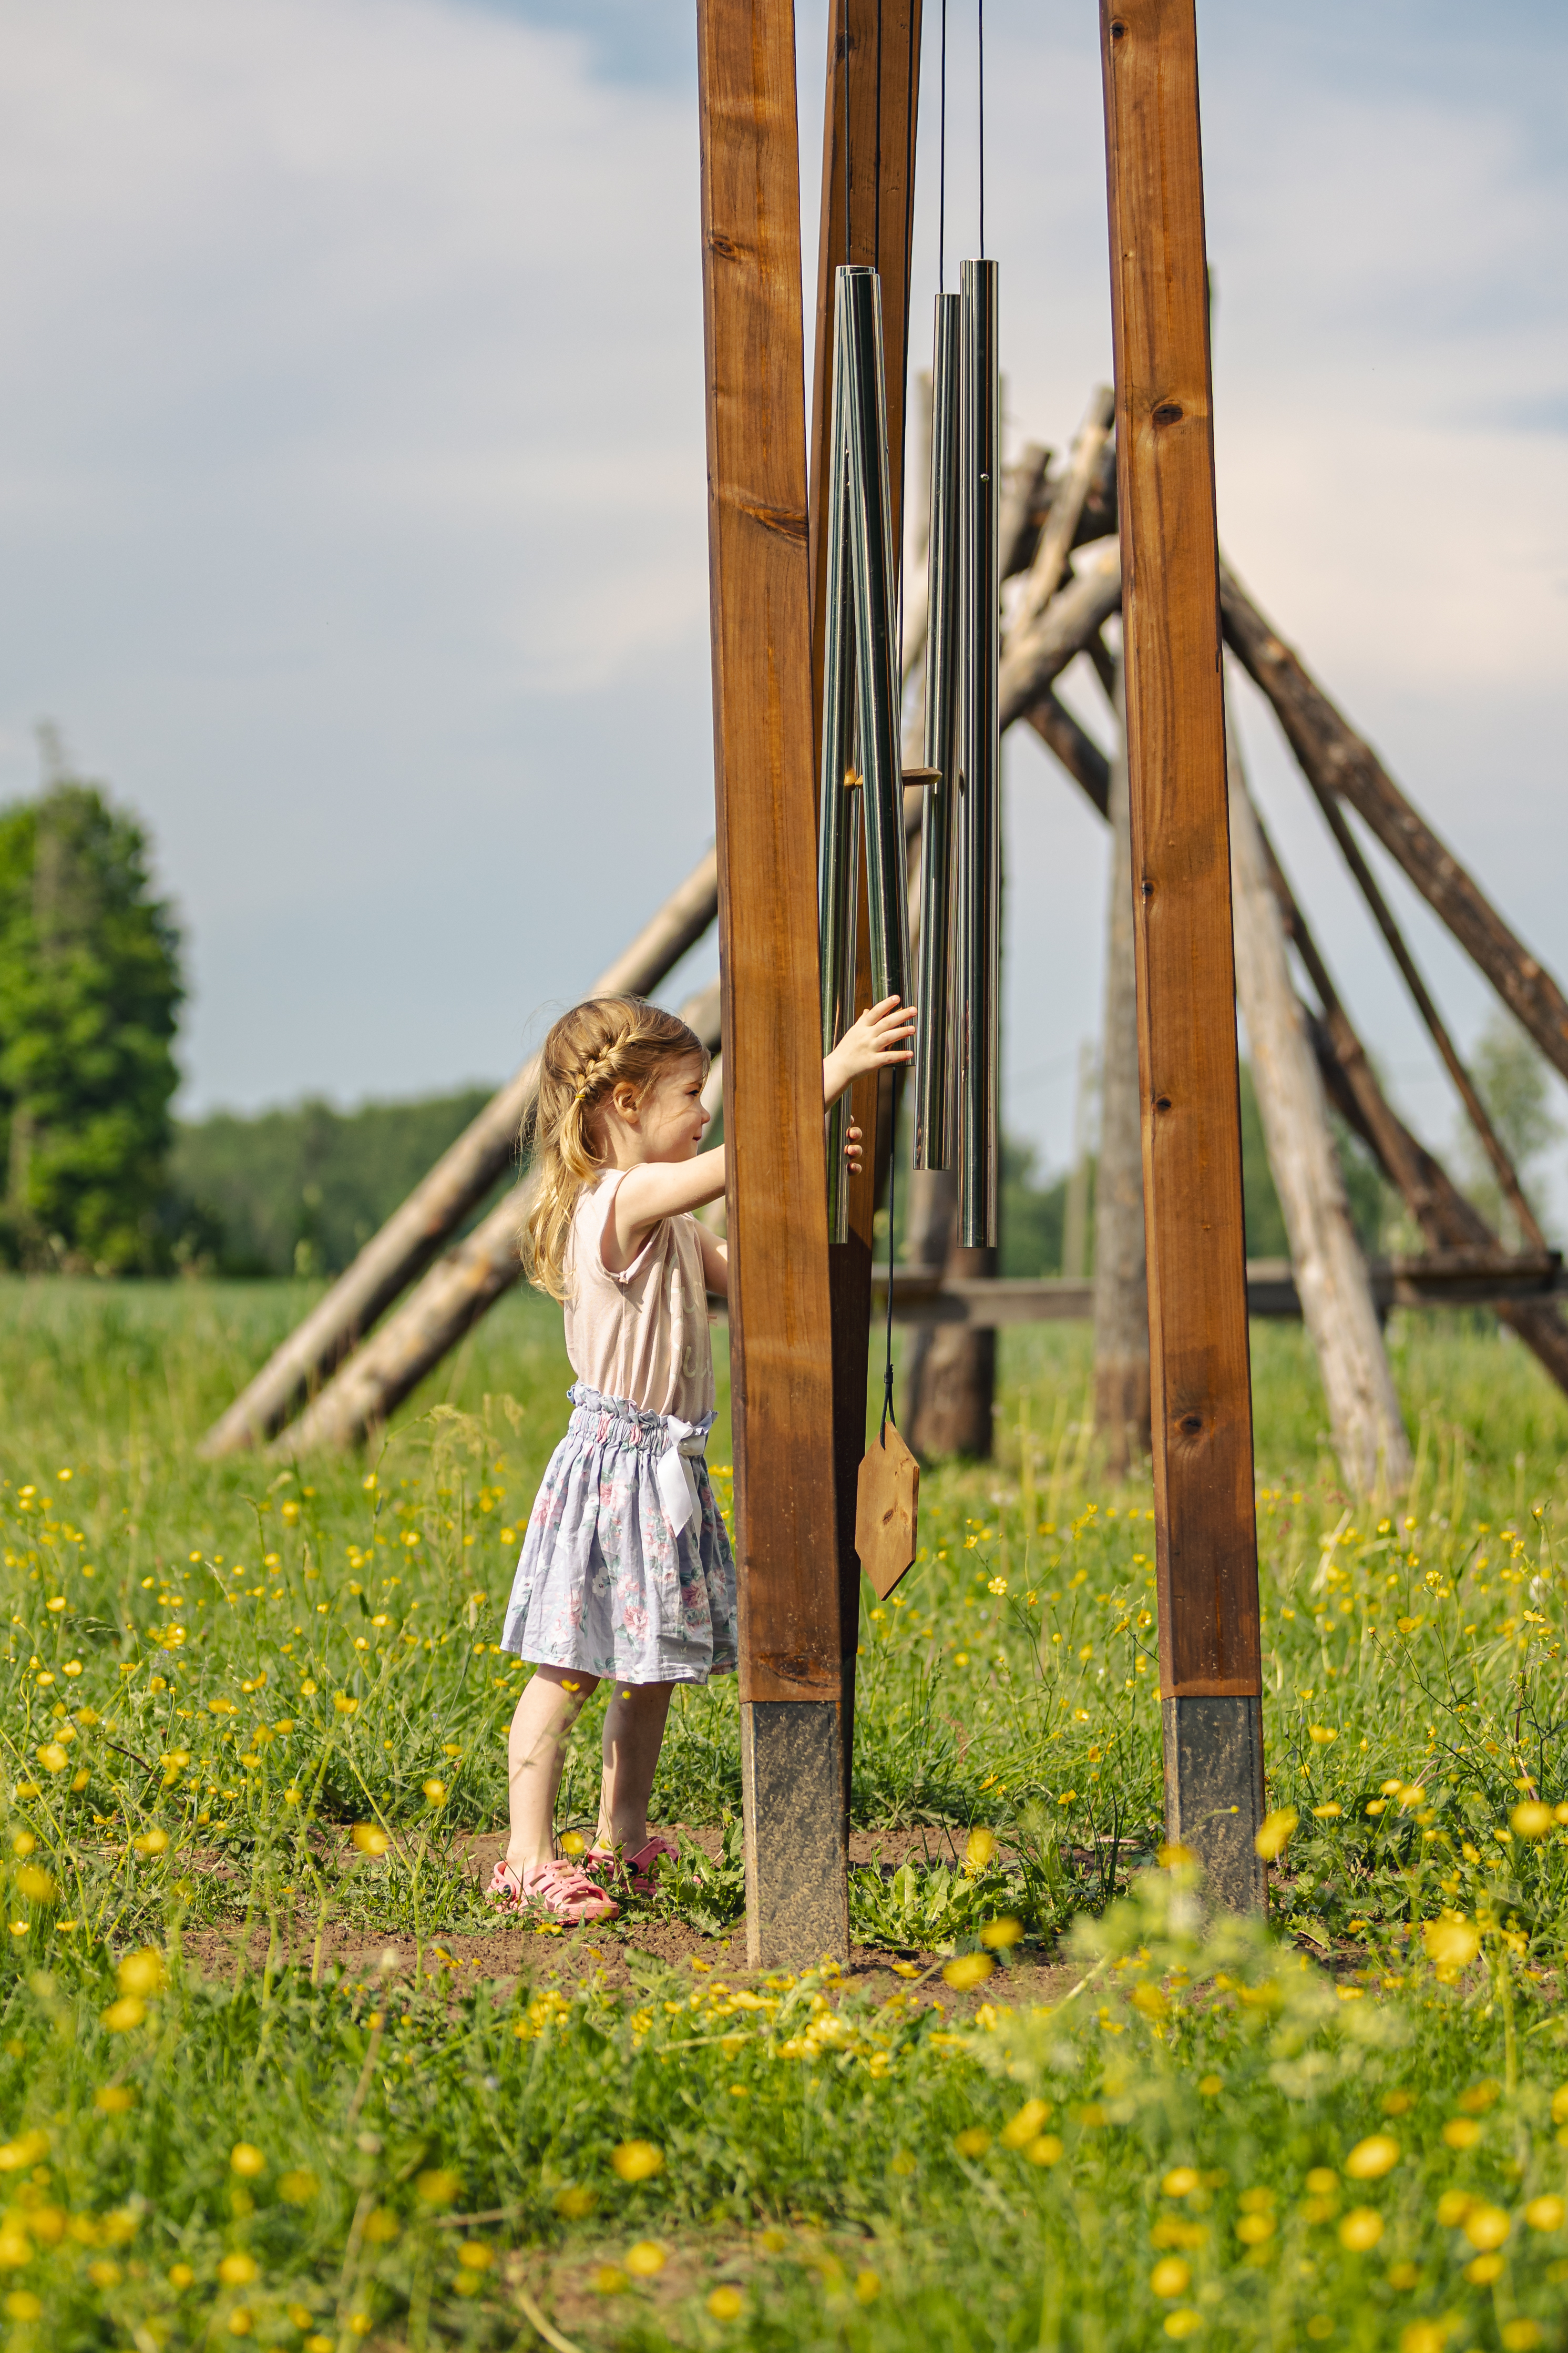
x=1206 y=1532
x=780 y=1329
x=867 y=215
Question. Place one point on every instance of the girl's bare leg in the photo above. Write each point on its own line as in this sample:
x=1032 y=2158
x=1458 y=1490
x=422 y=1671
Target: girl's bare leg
x=634 y=1733
x=551 y=1702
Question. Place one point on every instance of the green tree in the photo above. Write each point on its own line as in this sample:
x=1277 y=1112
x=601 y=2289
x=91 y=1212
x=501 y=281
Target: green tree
x=1511 y=1079
x=90 y=995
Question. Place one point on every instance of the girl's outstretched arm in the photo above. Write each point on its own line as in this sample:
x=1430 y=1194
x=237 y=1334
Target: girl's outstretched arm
x=656 y=1189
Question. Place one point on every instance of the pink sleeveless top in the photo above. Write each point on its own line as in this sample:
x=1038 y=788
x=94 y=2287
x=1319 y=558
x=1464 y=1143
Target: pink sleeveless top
x=641 y=1334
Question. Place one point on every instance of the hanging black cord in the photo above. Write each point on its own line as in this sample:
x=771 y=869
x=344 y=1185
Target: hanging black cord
x=981 y=8
x=888 y=1413
x=942 y=166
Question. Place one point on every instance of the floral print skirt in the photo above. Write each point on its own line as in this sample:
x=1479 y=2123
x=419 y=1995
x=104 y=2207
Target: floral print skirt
x=605 y=1582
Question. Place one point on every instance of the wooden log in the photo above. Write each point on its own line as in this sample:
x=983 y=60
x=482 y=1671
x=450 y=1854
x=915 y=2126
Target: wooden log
x=1337 y=761
x=926 y=1297
x=459 y=1182
x=1437 y=1027
x=779 y=1315
x=1120 y=1272
x=1330 y=1272
x=866 y=207
x=1205 y=1536
x=465 y=1282
x=1037 y=654
x=1077 y=750
x=1060 y=530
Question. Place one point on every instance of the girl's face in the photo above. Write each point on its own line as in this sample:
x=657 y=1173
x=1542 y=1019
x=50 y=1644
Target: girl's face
x=670 y=1122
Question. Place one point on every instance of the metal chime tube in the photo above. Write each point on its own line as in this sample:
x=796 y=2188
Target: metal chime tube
x=934 y=1090
x=839 y=867
x=978 y=929
x=869 y=532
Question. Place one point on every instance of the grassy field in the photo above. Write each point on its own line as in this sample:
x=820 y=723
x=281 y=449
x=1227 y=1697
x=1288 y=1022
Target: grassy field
x=253 y=1721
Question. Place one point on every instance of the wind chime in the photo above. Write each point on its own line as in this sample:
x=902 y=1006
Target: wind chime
x=863 y=780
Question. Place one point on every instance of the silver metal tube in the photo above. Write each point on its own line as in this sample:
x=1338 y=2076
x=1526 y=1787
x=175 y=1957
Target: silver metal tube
x=869 y=521
x=935 y=1094
x=979 y=924
x=838 y=835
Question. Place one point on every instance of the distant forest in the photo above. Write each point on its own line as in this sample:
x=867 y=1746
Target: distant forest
x=298 y=1191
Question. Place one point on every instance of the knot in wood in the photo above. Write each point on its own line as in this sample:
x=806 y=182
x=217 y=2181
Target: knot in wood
x=1168 y=413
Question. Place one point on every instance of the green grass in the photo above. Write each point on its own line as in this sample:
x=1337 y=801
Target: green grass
x=213 y=1671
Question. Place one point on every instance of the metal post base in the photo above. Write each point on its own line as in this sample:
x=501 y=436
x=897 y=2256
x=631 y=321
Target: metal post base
x=1214 y=1794
x=797 y=1897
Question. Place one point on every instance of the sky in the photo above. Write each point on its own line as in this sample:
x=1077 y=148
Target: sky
x=353 y=509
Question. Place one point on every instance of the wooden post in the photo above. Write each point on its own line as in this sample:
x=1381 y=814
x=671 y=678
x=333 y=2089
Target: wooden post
x=1121 y=1273
x=781 y=1336
x=1205 y=1533
x=1331 y=1276
x=873 y=81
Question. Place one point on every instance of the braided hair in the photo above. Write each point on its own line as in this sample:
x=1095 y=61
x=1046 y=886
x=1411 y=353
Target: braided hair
x=601 y=1045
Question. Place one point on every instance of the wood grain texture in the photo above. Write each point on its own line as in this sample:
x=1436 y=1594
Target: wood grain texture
x=870 y=105
x=1337 y=761
x=1202 y=1410
x=764 y=762
x=1121 y=1269
x=1330 y=1272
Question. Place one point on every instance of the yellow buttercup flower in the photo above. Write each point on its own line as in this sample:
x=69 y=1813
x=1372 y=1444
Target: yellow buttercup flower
x=726 y=2303
x=1372 y=2158
x=1360 y=2229
x=638 y=2160
x=968 y=1970
x=239 y=2269
x=1530 y=1819
x=246 y=2161
x=646 y=2258
x=1172 y=2278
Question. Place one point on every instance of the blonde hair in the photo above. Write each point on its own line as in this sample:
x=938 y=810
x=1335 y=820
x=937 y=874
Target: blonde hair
x=605 y=1043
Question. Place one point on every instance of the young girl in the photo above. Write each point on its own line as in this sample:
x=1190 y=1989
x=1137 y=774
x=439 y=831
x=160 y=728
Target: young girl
x=626 y=1569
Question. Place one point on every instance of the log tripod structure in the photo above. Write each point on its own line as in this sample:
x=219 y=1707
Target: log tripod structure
x=800 y=1307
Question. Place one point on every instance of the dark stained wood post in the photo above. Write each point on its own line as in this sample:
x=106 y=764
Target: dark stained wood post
x=869 y=117
x=1205 y=1530
x=780 y=1331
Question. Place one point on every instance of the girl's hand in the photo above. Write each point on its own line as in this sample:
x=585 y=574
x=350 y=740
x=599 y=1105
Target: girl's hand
x=880 y=1039
x=852 y=1151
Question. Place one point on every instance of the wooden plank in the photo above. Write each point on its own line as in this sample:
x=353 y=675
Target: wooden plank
x=1477 y=1277
x=1205 y=1534
x=869 y=109
x=781 y=1336
x=1337 y=761
x=1121 y=1269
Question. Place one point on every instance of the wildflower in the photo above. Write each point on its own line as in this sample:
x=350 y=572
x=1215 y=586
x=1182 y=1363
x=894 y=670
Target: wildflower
x=968 y=1970
x=1211 y=2086
x=37 y=1884
x=1372 y=2158
x=1530 y=1819
x=1019 y=2130
x=51 y=1755
x=973 y=2141
x=1180 y=2183
x=1451 y=1946
x=1327 y=1813
x=238 y=2270
x=1461 y=2132
x=475 y=2256
x=1172 y=2278
x=1362 y=2229
x=437 y=1792
x=114 y=2099
x=1485 y=2226
x=1184 y=2322
x=1273 y=1837
x=22 y=2305
x=609 y=2279
x=1479 y=2097
x=1000 y=1934
x=1546 y=2213
x=868 y=2288
x=1521 y=2335
x=246 y=2160
x=636 y=2160
x=645 y=2259
x=153 y=1841
x=726 y=2303
x=299 y=2187
x=344 y=1704
x=122 y=2015
x=979 y=1848
x=438 y=2188
x=575 y=2202
x=370 y=1838
x=1322 y=1734
x=1047 y=2150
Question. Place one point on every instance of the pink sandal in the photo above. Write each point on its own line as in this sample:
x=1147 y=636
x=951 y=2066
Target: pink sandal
x=640 y=1869
x=562 y=1889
